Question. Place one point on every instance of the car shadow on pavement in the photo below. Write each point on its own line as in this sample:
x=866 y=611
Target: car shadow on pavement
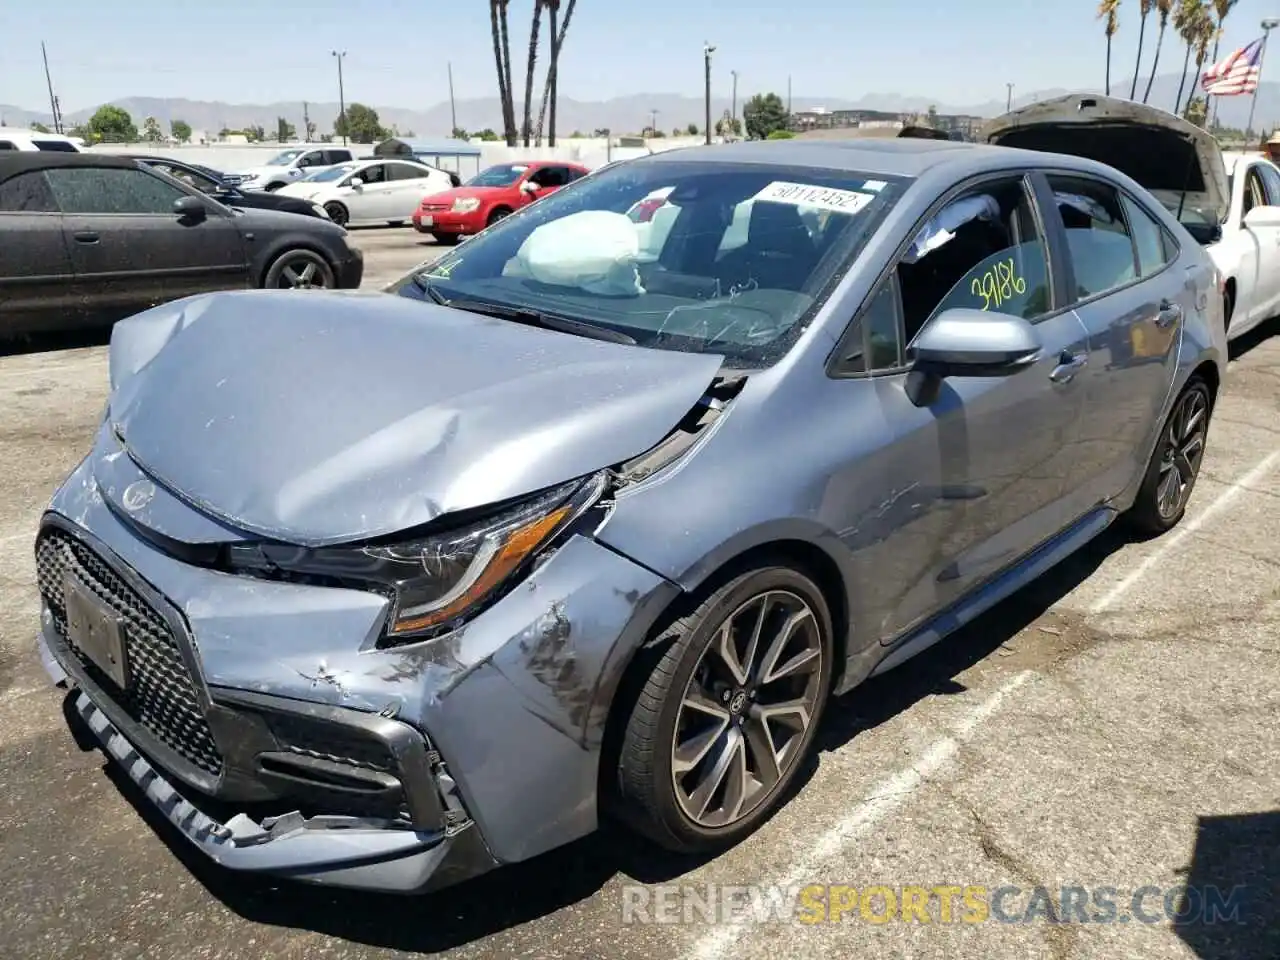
x=513 y=895
x=53 y=343
x=1263 y=332
x=1231 y=907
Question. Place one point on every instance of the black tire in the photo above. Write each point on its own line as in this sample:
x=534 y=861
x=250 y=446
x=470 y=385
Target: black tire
x=446 y=239
x=299 y=269
x=395 y=223
x=272 y=187
x=337 y=213
x=647 y=797
x=499 y=213
x=1156 y=509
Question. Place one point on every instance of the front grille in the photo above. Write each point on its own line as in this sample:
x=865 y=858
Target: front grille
x=162 y=697
x=434 y=206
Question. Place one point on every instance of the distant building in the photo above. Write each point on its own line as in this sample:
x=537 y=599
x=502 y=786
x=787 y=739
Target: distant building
x=821 y=119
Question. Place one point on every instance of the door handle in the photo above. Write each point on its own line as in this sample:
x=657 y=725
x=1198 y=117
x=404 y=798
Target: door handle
x=85 y=236
x=1170 y=313
x=1069 y=364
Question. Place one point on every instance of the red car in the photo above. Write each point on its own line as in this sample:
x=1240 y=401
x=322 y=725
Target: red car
x=489 y=196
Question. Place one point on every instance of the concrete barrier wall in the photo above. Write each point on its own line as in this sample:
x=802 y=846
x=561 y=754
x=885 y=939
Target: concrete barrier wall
x=231 y=158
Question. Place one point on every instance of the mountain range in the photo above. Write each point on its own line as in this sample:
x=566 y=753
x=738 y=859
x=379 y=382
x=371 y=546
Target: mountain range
x=621 y=114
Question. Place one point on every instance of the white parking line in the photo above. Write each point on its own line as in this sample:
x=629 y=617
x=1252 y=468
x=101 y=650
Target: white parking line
x=1187 y=529
x=882 y=801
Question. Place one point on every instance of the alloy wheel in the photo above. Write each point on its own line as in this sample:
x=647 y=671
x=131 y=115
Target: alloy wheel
x=742 y=721
x=301 y=275
x=1183 y=449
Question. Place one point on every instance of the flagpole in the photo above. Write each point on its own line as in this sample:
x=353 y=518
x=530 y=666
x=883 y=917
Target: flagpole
x=1267 y=26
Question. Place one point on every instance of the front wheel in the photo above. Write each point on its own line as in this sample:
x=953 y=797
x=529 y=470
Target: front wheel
x=499 y=214
x=1175 y=463
x=299 y=270
x=726 y=715
x=337 y=213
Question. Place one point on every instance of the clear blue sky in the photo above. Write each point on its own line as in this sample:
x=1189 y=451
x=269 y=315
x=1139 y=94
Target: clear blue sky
x=261 y=51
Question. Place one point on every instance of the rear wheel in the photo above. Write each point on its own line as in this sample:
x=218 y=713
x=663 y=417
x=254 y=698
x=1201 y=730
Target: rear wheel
x=722 y=722
x=299 y=270
x=1175 y=463
x=337 y=213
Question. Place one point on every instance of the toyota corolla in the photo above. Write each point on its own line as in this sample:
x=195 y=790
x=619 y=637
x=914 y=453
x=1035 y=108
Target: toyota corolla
x=387 y=589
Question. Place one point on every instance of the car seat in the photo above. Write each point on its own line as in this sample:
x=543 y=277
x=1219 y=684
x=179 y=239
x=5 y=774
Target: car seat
x=779 y=253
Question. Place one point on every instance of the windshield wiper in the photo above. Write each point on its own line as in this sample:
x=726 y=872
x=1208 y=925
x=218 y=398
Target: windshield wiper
x=525 y=315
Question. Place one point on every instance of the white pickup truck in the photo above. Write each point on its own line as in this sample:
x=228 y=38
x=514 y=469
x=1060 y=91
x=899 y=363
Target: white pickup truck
x=1230 y=203
x=289 y=166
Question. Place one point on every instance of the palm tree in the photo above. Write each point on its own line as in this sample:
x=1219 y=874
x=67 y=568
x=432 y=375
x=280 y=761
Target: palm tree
x=1144 y=8
x=502 y=60
x=534 y=28
x=1163 y=8
x=1185 y=21
x=1110 y=11
x=1205 y=30
x=551 y=91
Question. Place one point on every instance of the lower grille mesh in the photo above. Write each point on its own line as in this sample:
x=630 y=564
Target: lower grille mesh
x=162 y=697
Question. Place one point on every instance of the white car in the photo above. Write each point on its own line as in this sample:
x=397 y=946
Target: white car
x=14 y=138
x=288 y=166
x=371 y=191
x=1230 y=203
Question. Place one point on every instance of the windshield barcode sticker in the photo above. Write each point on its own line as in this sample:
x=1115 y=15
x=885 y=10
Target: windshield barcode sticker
x=807 y=195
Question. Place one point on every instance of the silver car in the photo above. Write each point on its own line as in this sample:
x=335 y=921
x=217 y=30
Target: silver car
x=386 y=589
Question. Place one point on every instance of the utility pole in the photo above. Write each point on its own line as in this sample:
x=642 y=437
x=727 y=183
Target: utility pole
x=707 y=51
x=1267 y=26
x=1008 y=97
x=53 y=101
x=788 y=98
x=306 y=124
x=653 y=123
x=733 y=112
x=342 y=97
x=453 y=107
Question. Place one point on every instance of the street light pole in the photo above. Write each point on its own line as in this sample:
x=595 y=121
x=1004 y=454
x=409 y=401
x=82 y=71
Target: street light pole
x=707 y=51
x=1008 y=100
x=733 y=113
x=1267 y=26
x=342 y=96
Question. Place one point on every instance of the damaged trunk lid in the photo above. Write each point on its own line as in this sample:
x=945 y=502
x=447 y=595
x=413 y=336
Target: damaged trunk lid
x=319 y=418
x=1164 y=153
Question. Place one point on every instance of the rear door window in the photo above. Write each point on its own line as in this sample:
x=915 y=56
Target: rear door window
x=405 y=171
x=1101 y=248
x=27 y=193
x=1148 y=237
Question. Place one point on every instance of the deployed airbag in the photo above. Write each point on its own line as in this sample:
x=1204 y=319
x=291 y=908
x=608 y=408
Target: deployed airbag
x=595 y=250
x=941 y=227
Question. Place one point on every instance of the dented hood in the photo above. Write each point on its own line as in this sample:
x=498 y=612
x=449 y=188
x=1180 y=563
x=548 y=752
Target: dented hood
x=319 y=418
x=1162 y=152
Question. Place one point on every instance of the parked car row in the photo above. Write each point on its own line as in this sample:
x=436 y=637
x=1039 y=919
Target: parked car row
x=565 y=528
x=87 y=239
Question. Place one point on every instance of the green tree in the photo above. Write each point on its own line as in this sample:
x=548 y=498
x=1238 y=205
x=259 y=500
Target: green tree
x=780 y=135
x=691 y=130
x=181 y=131
x=111 y=124
x=1188 y=21
x=460 y=133
x=763 y=114
x=498 y=23
x=488 y=135
x=151 y=131
x=728 y=125
x=931 y=117
x=359 y=123
x=285 y=131
x=1164 y=8
x=40 y=128
x=255 y=133
x=1197 y=111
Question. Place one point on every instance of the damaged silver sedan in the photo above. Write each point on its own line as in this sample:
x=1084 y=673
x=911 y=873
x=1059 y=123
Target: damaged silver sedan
x=596 y=513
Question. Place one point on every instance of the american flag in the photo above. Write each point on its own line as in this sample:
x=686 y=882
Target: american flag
x=1236 y=73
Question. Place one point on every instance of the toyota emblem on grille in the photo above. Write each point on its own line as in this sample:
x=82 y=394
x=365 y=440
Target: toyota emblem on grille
x=137 y=495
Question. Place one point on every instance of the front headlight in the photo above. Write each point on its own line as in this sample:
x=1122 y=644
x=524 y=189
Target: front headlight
x=465 y=205
x=437 y=580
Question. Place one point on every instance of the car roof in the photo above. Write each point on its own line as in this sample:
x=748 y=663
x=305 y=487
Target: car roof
x=17 y=161
x=903 y=156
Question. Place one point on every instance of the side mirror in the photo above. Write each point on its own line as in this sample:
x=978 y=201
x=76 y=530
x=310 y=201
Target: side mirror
x=1265 y=216
x=969 y=343
x=529 y=188
x=356 y=183
x=190 y=208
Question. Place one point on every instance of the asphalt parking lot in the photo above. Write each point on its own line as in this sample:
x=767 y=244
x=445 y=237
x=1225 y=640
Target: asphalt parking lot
x=1117 y=726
